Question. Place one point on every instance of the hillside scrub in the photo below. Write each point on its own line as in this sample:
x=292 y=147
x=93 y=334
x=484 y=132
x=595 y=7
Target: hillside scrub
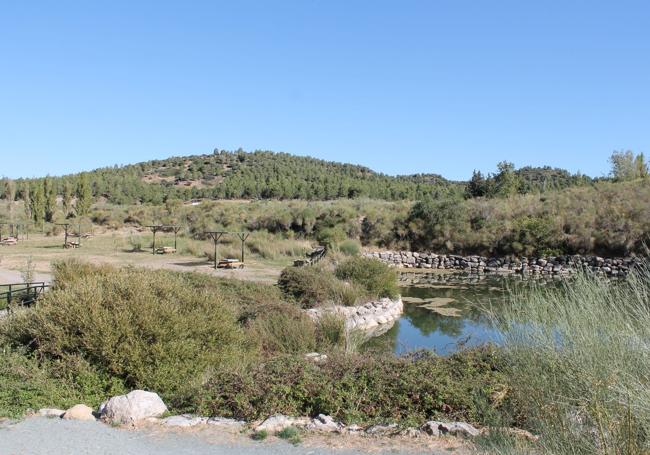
x=364 y=388
x=579 y=364
x=316 y=285
x=374 y=276
x=217 y=347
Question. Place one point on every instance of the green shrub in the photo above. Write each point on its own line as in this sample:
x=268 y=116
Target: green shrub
x=330 y=236
x=314 y=286
x=374 y=276
x=291 y=434
x=29 y=383
x=287 y=331
x=350 y=247
x=260 y=435
x=362 y=389
x=155 y=330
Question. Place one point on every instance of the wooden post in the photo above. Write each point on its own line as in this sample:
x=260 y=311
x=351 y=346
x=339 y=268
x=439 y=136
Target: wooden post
x=153 y=246
x=242 y=236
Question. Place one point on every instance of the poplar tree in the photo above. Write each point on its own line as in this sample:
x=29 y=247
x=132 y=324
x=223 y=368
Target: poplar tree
x=84 y=195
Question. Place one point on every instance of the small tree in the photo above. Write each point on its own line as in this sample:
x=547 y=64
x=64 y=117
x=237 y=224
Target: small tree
x=624 y=166
x=507 y=182
x=641 y=166
x=27 y=203
x=477 y=186
x=84 y=195
x=68 y=193
x=10 y=195
x=37 y=202
x=50 y=199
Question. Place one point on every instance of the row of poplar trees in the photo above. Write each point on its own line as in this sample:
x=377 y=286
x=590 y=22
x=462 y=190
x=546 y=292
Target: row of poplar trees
x=39 y=197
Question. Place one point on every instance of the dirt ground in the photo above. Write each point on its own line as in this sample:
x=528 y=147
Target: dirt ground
x=113 y=248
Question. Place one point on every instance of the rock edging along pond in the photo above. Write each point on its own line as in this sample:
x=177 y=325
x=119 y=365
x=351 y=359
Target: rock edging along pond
x=366 y=317
x=549 y=265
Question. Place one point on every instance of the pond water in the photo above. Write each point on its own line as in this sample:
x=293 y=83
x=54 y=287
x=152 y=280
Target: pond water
x=445 y=313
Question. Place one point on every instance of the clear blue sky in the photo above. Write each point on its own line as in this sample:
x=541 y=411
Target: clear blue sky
x=400 y=86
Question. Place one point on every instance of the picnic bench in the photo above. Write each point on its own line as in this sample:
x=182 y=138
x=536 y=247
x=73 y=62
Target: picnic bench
x=230 y=264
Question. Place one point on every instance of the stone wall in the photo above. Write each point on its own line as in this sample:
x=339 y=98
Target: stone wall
x=368 y=318
x=552 y=265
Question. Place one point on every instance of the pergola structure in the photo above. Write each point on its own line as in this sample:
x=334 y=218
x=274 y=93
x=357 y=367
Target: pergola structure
x=163 y=228
x=66 y=227
x=216 y=235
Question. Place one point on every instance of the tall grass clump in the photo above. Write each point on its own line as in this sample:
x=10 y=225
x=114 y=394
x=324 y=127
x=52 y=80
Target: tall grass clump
x=580 y=363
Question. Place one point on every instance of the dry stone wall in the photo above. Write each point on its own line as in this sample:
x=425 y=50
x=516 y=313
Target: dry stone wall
x=551 y=265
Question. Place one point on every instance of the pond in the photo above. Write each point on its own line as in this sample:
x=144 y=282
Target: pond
x=445 y=313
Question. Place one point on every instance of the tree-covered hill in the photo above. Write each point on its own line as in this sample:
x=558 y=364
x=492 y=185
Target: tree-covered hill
x=245 y=175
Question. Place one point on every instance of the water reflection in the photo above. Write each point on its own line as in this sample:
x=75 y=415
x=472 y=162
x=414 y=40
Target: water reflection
x=444 y=313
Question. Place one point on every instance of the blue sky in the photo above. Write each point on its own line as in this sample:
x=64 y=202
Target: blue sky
x=400 y=86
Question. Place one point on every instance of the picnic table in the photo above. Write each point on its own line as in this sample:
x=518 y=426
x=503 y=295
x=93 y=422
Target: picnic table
x=230 y=264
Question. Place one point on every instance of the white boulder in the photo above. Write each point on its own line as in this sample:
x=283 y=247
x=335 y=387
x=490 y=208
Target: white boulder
x=134 y=406
x=79 y=412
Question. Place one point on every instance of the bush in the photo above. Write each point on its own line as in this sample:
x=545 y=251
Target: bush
x=27 y=383
x=362 y=389
x=150 y=329
x=350 y=247
x=374 y=276
x=314 y=286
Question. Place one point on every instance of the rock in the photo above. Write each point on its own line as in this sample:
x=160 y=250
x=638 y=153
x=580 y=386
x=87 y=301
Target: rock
x=432 y=428
x=325 y=423
x=223 y=421
x=79 y=412
x=413 y=433
x=50 y=412
x=316 y=357
x=353 y=429
x=279 y=422
x=184 y=421
x=460 y=429
x=382 y=429
x=134 y=406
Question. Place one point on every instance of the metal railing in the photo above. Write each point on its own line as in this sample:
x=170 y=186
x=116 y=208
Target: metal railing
x=21 y=293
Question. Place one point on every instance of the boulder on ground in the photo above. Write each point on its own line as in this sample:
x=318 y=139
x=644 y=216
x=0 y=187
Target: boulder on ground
x=279 y=422
x=134 y=406
x=184 y=421
x=325 y=423
x=79 y=412
x=460 y=429
x=50 y=412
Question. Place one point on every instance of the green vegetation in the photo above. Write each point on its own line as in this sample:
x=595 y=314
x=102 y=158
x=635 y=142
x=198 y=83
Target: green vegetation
x=375 y=277
x=343 y=284
x=217 y=347
x=364 y=388
x=579 y=364
x=317 y=286
x=291 y=434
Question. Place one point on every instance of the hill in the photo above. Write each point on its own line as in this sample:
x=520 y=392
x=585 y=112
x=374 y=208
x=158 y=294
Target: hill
x=249 y=175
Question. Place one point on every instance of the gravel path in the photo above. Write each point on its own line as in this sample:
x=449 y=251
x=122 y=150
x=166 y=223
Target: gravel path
x=41 y=436
x=13 y=276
